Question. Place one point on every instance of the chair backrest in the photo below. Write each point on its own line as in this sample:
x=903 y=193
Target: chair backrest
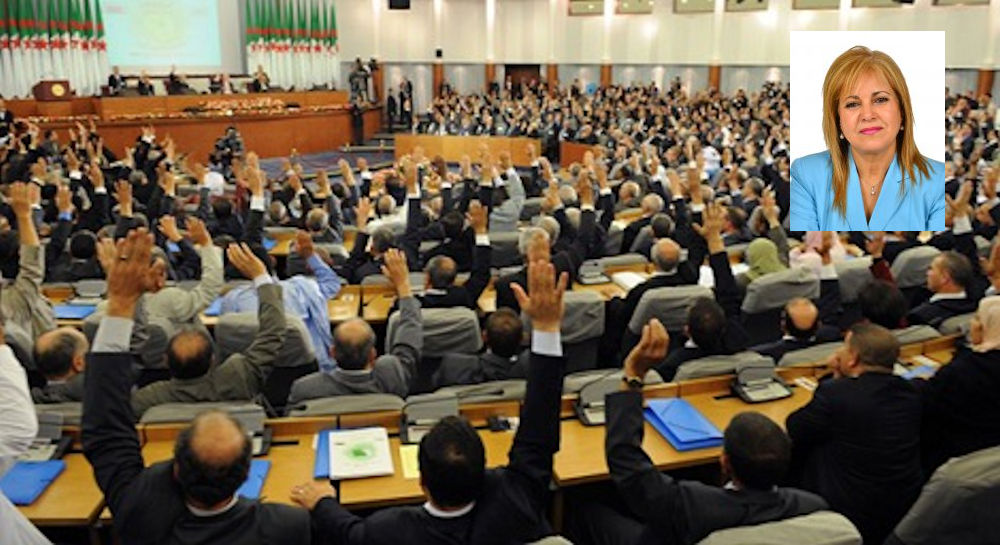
x=90 y=288
x=774 y=290
x=21 y=343
x=915 y=334
x=153 y=339
x=852 y=275
x=737 y=249
x=814 y=354
x=819 y=528
x=670 y=305
x=277 y=231
x=574 y=382
x=623 y=259
x=234 y=333
x=723 y=364
x=496 y=390
x=453 y=330
x=505 y=252
x=416 y=280
x=185 y=412
x=910 y=267
x=956 y=324
x=644 y=237
x=959 y=503
x=583 y=316
x=71 y=411
x=356 y=403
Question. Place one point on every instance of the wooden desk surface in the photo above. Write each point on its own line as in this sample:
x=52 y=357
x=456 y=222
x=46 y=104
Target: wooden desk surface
x=345 y=305
x=395 y=490
x=585 y=461
x=73 y=499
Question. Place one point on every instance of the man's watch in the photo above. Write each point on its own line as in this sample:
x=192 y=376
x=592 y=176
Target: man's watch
x=634 y=383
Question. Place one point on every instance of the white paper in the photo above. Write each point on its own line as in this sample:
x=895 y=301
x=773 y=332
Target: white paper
x=357 y=453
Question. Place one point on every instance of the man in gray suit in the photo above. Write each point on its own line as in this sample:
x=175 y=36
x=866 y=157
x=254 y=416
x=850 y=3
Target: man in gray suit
x=190 y=353
x=358 y=370
x=503 y=358
x=23 y=303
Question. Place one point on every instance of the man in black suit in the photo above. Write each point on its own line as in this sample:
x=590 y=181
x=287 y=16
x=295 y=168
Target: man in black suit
x=80 y=262
x=116 y=81
x=949 y=277
x=190 y=499
x=857 y=443
x=755 y=457
x=466 y=503
x=651 y=205
x=802 y=328
x=390 y=109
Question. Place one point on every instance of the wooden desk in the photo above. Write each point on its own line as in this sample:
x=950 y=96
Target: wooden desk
x=345 y=305
x=73 y=499
x=282 y=247
x=376 y=301
x=452 y=148
x=395 y=490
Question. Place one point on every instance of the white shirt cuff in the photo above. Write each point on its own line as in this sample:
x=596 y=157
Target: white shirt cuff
x=445 y=185
x=585 y=207
x=961 y=225
x=697 y=207
x=262 y=280
x=546 y=343
x=75 y=175
x=828 y=272
x=257 y=203
x=482 y=240
x=414 y=195
x=101 y=190
x=498 y=182
x=605 y=191
x=113 y=335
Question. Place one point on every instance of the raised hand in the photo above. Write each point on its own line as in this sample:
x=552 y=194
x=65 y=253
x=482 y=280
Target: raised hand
x=959 y=206
x=876 y=244
x=323 y=183
x=255 y=182
x=198 y=232
x=585 y=190
x=107 y=253
x=396 y=270
x=72 y=162
x=95 y=174
x=123 y=192
x=713 y=220
x=770 y=207
x=295 y=183
x=304 y=244
x=694 y=185
x=363 y=211
x=543 y=302
x=245 y=261
x=651 y=350
x=64 y=199
x=128 y=272
x=168 y=226
x=20 y=199
x=477 y=218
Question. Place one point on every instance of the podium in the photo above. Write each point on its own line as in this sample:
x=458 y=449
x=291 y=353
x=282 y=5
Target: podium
x=51 y=91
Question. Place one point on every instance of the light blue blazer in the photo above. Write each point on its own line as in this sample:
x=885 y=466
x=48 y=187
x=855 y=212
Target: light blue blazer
x=919 y=208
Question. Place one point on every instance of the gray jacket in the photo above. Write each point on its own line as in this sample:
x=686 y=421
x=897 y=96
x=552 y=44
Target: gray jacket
x=60 y=391
x=476 y=368
x=181 y=306
x=391 y=374
x=240 y=377
x=23 y=302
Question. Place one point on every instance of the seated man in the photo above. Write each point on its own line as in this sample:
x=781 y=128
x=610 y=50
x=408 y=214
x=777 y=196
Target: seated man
x=466 y=503
x=802 y=328
x=755 y=456
x=503 y=358
x=369 y=250
x=190 y=353
x=23 y=303
x=357 y=370
x=949 y=278
x=652 y=204
x=80 y=263
x=857 y=442
x=60 y=355
x=191 y=498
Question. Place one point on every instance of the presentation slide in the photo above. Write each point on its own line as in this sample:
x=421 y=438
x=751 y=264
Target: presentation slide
x=155 y=34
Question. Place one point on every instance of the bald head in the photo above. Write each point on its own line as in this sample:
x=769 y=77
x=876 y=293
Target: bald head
x=801 y=318
x=441 y=272
x=665 y=255
x=211 y=459
x=354 y=345
x=189 y=354
x=651 y=204
x=61 y=353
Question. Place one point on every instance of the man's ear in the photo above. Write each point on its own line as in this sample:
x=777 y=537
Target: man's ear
x=372 y=354
x=78 y=363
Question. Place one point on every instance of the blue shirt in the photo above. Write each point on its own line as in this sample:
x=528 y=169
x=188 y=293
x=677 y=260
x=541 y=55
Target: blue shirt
x=306 y=298
x=920 y=207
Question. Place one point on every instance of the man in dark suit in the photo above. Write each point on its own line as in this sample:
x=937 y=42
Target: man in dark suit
x=116 y=81
x=192 y=498
x=390 y=109
x=503 y=358
x=857 y=443
x=950 y=278
x=651 y=205
x=466 y=503
x=755 y=457
x=802 y=328
x=80 y=262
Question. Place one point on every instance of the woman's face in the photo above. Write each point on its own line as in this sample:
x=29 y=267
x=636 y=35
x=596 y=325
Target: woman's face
x=870 y=115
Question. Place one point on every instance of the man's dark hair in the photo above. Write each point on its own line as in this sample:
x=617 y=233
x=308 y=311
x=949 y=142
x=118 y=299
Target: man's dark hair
x=83 y=244
x=758 y=450
x=9 y=250
x=661 y=225
x=204 y=482
x=958 y=268
x=187 y=363
x=882 y=303
x=222 y=209
x=441 y=271
x=737 y=216
x=876 y=346
x=453 y=223
x=757 y=185
x=503 y=332
x=383 y=238
x=452 y=462
x=706 y=323
x=351 y=354
x=57 y=359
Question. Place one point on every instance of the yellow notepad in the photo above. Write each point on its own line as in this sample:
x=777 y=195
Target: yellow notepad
x=408 y=459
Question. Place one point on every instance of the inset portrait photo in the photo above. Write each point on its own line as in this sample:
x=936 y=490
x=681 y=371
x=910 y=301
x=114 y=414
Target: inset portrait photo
x=867 y=131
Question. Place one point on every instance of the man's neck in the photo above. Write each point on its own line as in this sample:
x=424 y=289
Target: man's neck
x=949 y=289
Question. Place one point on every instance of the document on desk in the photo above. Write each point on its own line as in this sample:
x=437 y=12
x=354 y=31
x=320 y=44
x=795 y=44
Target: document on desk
x=408 y=459
x=358 y=453
x=627 y=280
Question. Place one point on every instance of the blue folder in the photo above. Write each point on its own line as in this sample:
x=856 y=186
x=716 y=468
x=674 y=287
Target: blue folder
x=27 y=480
x=269 y=243
x=215 y=308
x=322 y=468
x=73 y=312
x=173 y=247
x=250 y=489
x=683 y=426
x=923 y=371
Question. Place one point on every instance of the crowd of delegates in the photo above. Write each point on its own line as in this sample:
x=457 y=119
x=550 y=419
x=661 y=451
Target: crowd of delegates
x=706 y=173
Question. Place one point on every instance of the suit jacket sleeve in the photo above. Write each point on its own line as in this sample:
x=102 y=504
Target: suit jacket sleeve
x=480 y=277
x=812 y=424
x=652 y=495
x=245 y=373
x=187 y=304
x=27 y=286
x=57 y=244
x=253 y=230
x=408 y=340
x=357 y=257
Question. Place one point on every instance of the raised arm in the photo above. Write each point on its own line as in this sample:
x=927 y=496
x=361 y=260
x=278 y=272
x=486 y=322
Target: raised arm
x=408 y=340
x=187 y=304
x=18 y=424
x=26 y=289
x=726 y=291
x=482 y=254
x=253 y=230
x=329 y=282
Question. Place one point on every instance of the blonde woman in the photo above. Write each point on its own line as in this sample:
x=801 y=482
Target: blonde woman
x=872 y=178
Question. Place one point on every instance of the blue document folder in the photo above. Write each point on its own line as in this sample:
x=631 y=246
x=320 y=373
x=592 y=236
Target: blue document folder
x=923 y=371
x=250 y=489
x=73 y=312
x=268 y=243
x=27 y=480
x=683 y=426
x=215 y=308
x=322 y=468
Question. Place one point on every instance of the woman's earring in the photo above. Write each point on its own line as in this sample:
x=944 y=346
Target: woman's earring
x=841 y=136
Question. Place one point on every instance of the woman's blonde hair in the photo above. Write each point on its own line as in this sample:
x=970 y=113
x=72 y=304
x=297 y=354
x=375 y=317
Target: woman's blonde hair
x=843 y=74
